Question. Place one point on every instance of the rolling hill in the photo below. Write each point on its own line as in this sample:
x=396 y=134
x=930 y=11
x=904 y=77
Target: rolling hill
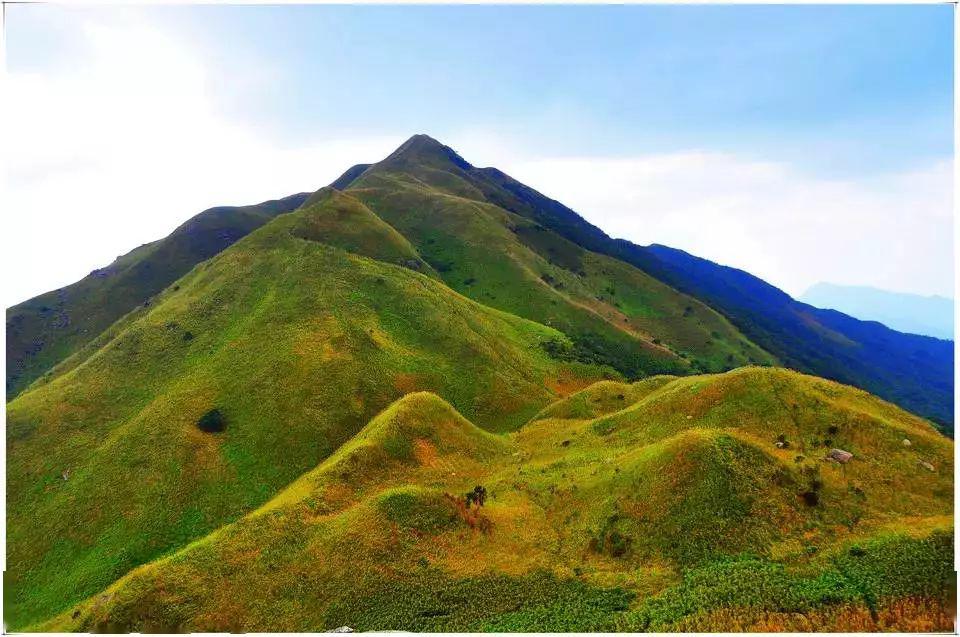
x=660 y=505
x=296 y=343
x=274 y=416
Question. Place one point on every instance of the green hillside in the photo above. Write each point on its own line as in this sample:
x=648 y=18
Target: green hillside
x=296 y=344
x=913 y=371
x=45 y=330
x=417 y=400
x=666 y=506
x=614 y=313
x=341 y=221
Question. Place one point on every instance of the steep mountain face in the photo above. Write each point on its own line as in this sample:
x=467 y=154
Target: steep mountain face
x=295 y=336
x=49 y=328
x=282 y=436
x=619 y=508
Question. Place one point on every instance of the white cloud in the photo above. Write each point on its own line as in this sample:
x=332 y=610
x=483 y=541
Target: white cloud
x=126 y=141
x=893 y=232
x=119 y=147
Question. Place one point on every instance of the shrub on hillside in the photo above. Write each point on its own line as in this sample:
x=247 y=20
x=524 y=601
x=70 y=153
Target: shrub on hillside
x=478 y=496
x=610 y=540
x=472 y=517
x=212 y=422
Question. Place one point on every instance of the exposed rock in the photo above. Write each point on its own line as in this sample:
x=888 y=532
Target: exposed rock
x=780 y=445
x=841 y=456
x=906 y=442
x=926 y=465
x=342 y=629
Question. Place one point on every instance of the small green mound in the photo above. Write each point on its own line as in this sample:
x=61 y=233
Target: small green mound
x=426 y=417
x=602 y=398
x=419 y=509
x=693 y=497
x=339 y=220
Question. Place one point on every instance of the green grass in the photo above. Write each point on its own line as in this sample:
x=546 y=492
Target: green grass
x=419 y=510
x=615 y=313
x=339 y=220
x=602 y=398
x=585 y=530
x=379 y=353
x=883 y=568
x=298 y=344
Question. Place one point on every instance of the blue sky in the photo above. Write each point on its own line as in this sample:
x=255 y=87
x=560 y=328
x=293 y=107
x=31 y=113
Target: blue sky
x=779 y=112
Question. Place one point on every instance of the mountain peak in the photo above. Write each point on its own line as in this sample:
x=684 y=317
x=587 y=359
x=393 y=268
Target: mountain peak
x=423 y=149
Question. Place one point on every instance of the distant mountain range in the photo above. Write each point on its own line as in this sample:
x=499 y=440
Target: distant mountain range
x=910 y=313
x=428 y=397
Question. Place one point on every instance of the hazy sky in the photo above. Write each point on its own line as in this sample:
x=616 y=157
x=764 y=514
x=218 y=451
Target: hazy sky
x=803 y=144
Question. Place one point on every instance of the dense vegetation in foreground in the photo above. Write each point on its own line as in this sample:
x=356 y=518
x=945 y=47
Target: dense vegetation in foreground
x=662 y=505
x=414 y=402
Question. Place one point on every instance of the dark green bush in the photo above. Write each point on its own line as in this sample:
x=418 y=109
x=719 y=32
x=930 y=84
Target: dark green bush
x=478 y=496
x=212 y=422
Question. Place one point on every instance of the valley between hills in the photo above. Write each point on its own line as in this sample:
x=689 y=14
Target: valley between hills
x=427 y=397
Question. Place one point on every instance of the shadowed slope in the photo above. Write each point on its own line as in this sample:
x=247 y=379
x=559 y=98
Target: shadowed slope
x=640 y=527
x=45 y=330
x=914 y=371
x=296 y=344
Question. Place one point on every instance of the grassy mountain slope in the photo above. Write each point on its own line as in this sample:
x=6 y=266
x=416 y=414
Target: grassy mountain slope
x=913 y=371
x=282 y=437
x=342 y=221
x=296 y=343
x=615 y=313
x=45 y=330
x=663 y=506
